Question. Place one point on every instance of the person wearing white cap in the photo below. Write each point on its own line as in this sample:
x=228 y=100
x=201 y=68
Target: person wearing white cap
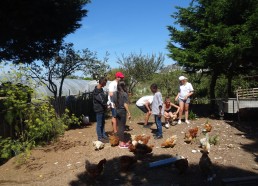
x=183 y=97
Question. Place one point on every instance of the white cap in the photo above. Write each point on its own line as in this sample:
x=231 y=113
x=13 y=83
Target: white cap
x=182 y=78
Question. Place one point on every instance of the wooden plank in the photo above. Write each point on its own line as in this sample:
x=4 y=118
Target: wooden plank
x=239 y=181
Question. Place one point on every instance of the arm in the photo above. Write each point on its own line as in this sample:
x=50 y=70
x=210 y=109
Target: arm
x=160 y=104
x=127 y=110
x=147 y=105
x=178 y=108
x=176 y=98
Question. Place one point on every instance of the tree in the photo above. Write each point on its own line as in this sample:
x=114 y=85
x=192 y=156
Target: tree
x=64 y=64
x=215 y=36
x=139 y=67
x=34 y=30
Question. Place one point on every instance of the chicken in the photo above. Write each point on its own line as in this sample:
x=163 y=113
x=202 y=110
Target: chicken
x=98 y=145
x=142 y=139
x=205 y=164
x=114 y=140
x=204 y=142
x=95 y=170
x=181 y=165
x=170 y=142
x=140 y=149
x=193 y=132
x=126 y=162
x=188 y=138
x=207 y=127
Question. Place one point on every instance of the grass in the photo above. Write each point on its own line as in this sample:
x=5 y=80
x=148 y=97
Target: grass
x=136 y=113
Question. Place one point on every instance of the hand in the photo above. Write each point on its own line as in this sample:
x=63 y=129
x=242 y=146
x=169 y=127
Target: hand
x=129 y=116
x=159 y=115
x=149 y=111
x=176 y=99
x=185 y=98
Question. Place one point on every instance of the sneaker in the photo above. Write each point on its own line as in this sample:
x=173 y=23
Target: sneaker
x=158 y=137
x=167 y=125
x=187 y=121
x=103 y=140
x=123 y=146
x=179 y=122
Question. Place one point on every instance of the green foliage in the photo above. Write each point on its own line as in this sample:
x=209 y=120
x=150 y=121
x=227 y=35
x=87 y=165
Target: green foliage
x=214 y=140
x=192 y=115
x=50 y=21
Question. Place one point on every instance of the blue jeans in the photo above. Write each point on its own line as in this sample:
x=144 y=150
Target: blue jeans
x=158 y=124
x=100 y=127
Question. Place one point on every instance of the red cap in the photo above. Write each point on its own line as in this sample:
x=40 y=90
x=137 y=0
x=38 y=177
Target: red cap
x=119 y=75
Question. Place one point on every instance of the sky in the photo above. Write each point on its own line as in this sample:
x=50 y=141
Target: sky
x=126 y=26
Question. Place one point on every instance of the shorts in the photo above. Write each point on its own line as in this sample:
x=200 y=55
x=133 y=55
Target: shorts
x=185 y=101
x=143 y=108
x=114 y=113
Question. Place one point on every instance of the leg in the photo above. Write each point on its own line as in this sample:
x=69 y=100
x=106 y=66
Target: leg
x=99 y=125
x=159 y=125
x=181 y=105
x=103 y=127
x=114 y=120
x=186 y=111
x=147 y=116
x=121 y=122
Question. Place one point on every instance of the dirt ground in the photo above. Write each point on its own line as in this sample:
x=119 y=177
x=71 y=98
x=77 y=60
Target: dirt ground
x=63 y=162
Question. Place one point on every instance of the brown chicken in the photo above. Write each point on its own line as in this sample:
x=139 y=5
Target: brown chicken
x=143 y=139
x=181 y=165
x=113 y=140
x=170 y=142
x=205 y=164
x=126 y=162
x=188 y=138
x=207 y=127
x=140 y=149
x=94 y=170
x=193 y=132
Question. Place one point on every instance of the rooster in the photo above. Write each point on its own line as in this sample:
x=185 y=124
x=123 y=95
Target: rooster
x=126 y=162
x=205 y=165
x=181 y=165
x=170 y=142
x=140 y=149
x=114 y=140
x=94 y=170
x=193 y=132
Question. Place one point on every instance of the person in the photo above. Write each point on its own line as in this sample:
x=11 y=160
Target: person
x=183 y=97
x=156 y=108
x=100 y=106
x=144 y=104
x=111 y=89
x=120 y=100
x=169 y=113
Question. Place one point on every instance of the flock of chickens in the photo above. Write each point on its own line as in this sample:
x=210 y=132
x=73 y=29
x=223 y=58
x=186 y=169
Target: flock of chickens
x=139 y=147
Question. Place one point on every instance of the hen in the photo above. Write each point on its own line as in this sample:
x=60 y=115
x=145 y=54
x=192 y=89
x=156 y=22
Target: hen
x=207 y=127
x=126 y=162
x=142 y=139
x=205 y=145
x=98 y=145
x=181 y=165
x=95 y=170
x=188 y=138
x=193 y=132
x=140 y=149
x=114 y=140
x=170 y=142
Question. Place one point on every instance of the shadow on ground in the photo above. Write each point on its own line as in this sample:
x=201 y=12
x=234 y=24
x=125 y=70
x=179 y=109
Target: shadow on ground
x=142 y=174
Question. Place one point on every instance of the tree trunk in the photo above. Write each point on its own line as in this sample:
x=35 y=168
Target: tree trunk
x=214 y=78
x=229 y=86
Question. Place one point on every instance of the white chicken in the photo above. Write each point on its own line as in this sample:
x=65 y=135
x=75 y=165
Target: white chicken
x=98 y=145
x=204 y=142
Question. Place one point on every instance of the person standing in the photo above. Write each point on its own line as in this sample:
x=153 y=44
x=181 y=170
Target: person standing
x=144 y=104
x=120 y=99
x=183 y=97
x=157 y=109
x=100 y=106
x=111 y=89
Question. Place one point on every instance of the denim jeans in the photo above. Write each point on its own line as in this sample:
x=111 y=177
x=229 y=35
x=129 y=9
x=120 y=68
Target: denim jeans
x=100 y=127
x=159 y=125
x=121 y=122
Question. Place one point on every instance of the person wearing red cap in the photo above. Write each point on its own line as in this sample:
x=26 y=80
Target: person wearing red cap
x=111 y=89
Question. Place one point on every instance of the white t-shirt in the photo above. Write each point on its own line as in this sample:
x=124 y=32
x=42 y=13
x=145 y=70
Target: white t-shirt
x=141 y=102
x=185 y=89
x=112 y=87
